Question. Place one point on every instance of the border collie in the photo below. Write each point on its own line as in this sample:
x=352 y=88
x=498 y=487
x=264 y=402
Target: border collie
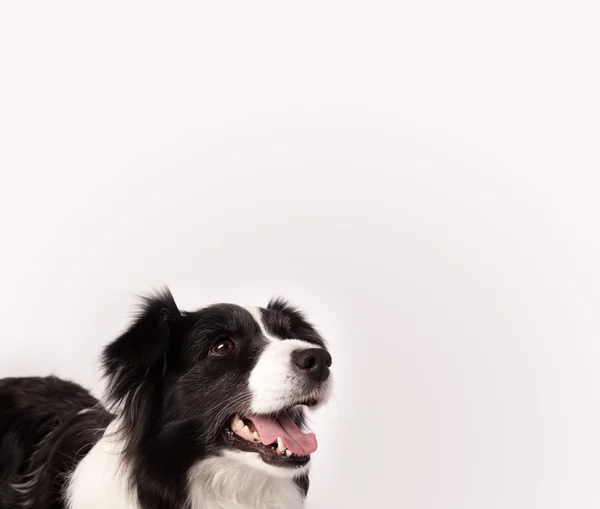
x=206 y=412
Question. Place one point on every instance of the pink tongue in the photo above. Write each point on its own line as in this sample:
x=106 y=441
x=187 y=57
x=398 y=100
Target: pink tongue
x=295 y=440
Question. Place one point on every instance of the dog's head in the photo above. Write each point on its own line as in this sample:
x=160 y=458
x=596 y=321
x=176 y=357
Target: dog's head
x=223 y=380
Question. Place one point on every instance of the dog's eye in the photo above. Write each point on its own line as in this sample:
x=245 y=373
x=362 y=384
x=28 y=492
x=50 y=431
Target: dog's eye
x=223 y=347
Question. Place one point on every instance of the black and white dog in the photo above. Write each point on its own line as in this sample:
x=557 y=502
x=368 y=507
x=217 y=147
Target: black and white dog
x=208 y=413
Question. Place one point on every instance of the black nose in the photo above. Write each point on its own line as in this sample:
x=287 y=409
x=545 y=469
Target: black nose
x=314 y=362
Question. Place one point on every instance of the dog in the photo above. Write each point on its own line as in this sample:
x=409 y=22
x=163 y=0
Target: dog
x=206 y=410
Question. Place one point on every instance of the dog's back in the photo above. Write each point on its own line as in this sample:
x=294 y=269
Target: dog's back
x=46 y=426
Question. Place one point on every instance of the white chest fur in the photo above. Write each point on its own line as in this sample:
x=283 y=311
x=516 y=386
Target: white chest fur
x=100 y=481
x=225 y=483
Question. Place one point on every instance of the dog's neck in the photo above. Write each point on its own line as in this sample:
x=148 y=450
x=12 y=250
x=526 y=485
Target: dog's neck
x=223 y=483
x=100 y=481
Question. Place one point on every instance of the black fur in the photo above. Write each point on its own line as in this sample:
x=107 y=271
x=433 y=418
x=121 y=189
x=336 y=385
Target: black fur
x=174 y=399
x=40 y=430
x=285 y=321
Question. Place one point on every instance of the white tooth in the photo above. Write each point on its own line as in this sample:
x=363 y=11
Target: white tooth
x=288 y=453
x=238 y=424
x=280 y=446
x=256 y=435
x=247 y=430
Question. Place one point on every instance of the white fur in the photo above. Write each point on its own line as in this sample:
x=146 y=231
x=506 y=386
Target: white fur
x=274 y=383
x=100 y=481
x=227 y=482
x=257 y=315
x=236 y=480
x=253 y=460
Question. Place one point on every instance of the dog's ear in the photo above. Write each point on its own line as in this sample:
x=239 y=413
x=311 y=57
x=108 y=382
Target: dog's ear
x=140 y=353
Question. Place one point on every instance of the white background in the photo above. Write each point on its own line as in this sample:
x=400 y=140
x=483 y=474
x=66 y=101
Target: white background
x=422 y=177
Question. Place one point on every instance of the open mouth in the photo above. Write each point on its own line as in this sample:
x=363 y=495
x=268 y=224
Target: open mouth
x=277 y=439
